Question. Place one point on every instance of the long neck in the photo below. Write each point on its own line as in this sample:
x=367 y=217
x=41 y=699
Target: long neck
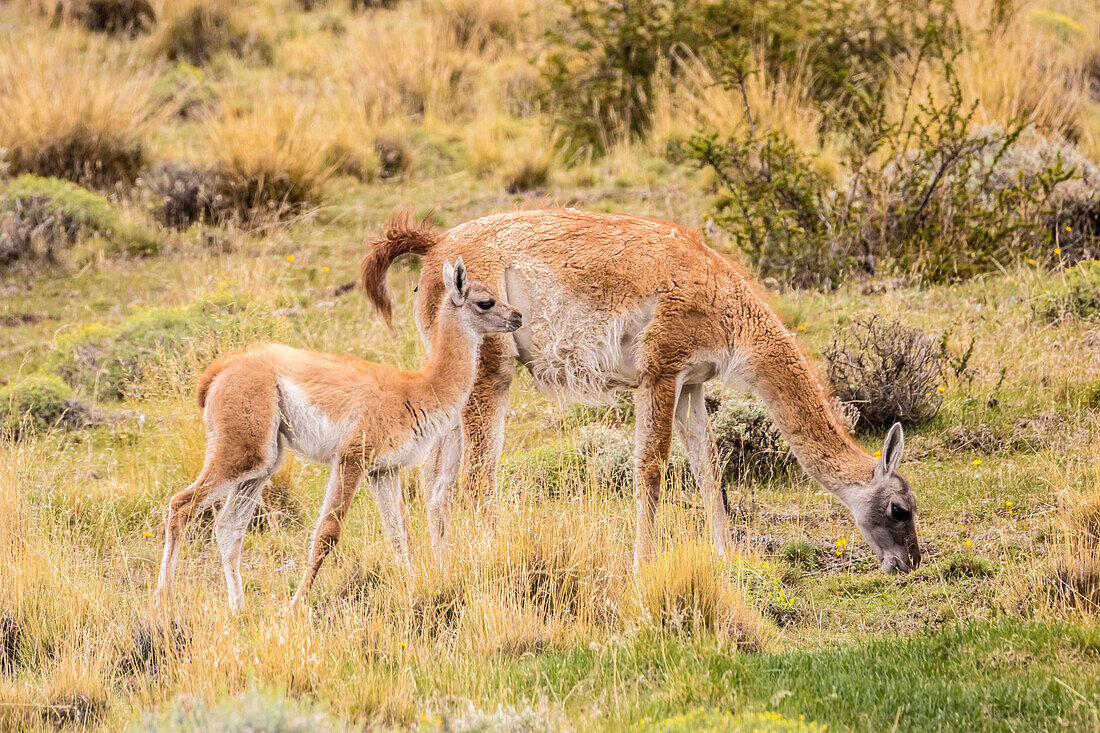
x=448 y=375
x=781 y=376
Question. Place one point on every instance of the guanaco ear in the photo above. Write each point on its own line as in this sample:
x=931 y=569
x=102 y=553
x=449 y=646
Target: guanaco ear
x=454 y=278
x=892 y=448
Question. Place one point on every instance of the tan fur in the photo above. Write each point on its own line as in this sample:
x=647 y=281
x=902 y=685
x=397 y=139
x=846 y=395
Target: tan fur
x=360 y=417
x=620 y=301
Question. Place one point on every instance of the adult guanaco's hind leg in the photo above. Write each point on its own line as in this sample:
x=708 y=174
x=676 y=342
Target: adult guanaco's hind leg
x=654 y=405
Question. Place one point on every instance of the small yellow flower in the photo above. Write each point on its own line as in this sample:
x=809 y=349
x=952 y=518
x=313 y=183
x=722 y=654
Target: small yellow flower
x=801 y=328
x=841 y=541
x=976 y=462
x=1069 y=228
x=969 y=543
x=1057 y=251
x=404 y=644
x=878 y=454
x=941 y=388
x=290 y=258
x=324 y=269
x=148 y=534
x=1030 y=261
x=836 y=552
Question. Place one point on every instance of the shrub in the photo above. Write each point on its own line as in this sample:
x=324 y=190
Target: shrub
x=928 y=193
x=200 y=29
x=124 y=17
x=185 y=91
x=607 y=459
x=749 y=443
x=802 y=554
x=394 y=155
x=37 y=403
x=184 y=194
x=888 y=371
x=1078 y=296
x=41 y=216
x=604 y=57
x=162 y=347
x=96 y=136
x=960 y=565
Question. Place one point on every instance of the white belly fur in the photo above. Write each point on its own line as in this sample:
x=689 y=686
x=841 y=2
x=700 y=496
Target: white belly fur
x=308 y=430
x=573 y=350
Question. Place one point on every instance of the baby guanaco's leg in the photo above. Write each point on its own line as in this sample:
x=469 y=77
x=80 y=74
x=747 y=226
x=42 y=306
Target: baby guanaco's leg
x=182 y=507
x=342 y=484
x=386 y=485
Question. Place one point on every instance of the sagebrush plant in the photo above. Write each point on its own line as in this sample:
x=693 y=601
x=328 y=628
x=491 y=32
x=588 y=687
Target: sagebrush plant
x=98 y=136
x=890 y=372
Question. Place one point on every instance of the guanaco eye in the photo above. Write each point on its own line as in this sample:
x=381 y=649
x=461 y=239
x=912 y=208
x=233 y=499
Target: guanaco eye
x=486 y=304
x=899 y=513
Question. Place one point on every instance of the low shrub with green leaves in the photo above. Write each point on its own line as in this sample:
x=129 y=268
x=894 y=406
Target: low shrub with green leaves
x=1077 y=296
x=749 y=444
x=37 y=403
x=159 y=348
x=41 y=217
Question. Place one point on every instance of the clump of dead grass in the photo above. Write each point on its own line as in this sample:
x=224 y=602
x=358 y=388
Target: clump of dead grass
x=74 y=108
x=688 y=591
x=270 y=162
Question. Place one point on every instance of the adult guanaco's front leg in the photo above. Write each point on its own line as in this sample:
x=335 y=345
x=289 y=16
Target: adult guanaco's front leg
x=654 y=407
x=694 y=429
x=483 y=423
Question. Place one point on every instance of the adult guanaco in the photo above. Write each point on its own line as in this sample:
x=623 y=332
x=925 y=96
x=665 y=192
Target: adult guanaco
x=614 y=302
x=362 y=418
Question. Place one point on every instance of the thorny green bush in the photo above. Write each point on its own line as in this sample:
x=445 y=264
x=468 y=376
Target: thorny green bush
x=929 y=194
x=604 y=57
x=888 y=371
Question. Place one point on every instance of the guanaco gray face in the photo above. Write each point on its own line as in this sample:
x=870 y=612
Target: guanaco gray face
x=887 y=511
x=478 y=305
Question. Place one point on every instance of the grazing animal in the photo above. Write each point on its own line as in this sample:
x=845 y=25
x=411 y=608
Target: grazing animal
x=614 y=302
x=362 y=418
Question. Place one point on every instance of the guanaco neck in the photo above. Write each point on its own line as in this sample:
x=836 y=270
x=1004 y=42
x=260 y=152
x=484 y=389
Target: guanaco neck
x=781 y=376
x=445 y=380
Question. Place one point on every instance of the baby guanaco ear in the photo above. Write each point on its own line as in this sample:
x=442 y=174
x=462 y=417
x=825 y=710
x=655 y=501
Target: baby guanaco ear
x=454 y=278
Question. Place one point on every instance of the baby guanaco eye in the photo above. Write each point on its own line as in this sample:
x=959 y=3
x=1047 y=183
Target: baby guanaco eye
x=899 y=513
x=486 y=304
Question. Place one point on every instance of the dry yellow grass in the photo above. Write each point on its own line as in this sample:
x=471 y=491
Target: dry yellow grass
x=75 y=107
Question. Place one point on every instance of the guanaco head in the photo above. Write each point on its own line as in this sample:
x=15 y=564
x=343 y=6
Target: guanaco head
x=478 y=306
x=886 y=510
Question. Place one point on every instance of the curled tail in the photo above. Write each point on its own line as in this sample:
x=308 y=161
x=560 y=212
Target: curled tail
x=401 y=237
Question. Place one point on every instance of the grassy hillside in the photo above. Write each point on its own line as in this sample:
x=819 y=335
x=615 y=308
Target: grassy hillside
x=180 y=179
